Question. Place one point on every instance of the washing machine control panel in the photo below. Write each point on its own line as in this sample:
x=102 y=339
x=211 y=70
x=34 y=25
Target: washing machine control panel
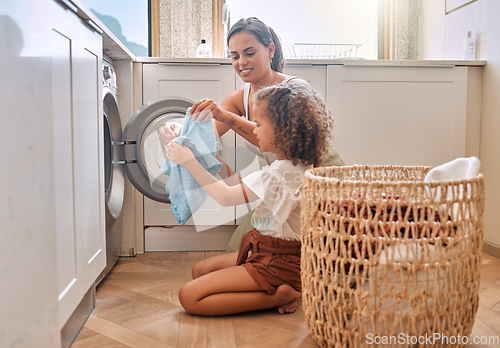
x=109 y=76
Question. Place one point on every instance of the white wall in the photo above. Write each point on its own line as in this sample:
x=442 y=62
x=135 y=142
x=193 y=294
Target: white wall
x=316 y=21
x=443 y=39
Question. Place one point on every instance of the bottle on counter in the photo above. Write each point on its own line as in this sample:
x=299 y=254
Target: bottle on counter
x=204 y=50
x=469 y=47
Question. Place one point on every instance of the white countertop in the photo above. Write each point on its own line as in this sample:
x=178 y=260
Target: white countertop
x=350 y=62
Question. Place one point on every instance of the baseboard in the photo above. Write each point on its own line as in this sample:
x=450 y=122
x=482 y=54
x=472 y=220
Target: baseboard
x=187 y=238
x=492 y=249
x=78 y=318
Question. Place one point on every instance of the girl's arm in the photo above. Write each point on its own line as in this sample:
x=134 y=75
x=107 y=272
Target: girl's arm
x=225 y=195
x=227 y=174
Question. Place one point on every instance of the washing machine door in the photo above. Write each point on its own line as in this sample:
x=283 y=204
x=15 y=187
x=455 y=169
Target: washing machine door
x=114 y=178
x=144 y=152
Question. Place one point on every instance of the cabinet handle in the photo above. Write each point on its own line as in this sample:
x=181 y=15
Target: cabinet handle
x=397 y=65
x=287 y=64
x=124 y=162
x=128 y=142
x=94 y=26
x=190 y=64
x=68 y=4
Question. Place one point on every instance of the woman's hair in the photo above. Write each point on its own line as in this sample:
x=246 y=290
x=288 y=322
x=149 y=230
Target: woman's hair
x=264 y=34
x=302 y=123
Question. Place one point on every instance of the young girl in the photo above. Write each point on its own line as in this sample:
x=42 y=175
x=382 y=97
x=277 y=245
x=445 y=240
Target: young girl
x=292 y=122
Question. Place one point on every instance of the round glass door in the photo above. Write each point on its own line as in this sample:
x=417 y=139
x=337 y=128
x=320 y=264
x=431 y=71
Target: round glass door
x=144 y=150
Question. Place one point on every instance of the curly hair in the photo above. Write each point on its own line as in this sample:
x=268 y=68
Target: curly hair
x=302 y=123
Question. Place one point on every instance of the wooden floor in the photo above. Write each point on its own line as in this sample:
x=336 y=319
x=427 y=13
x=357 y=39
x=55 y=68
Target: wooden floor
x=137 y=306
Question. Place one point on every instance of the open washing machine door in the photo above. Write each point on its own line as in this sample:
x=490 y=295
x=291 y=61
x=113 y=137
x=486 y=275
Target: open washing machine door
x=114 y=178
x=143 y=152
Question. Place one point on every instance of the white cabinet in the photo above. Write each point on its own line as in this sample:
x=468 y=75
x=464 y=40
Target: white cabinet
x=315 y=75
x=78 y=160
x=194 y=82
x=407 y=115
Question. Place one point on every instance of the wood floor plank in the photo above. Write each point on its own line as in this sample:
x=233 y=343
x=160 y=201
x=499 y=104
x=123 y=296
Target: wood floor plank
x=490 y=297
x=220 y=333
x=110 y=290
x=482 y=330
x=249 y=326
x=270 y=339
x=123 y=335
x=490 y=318
x=299 y=342
x=89 y=338
x=169 y=331
x=192 y=331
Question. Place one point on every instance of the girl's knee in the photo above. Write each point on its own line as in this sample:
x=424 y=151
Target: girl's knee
x=199 y=269
x=188 y=299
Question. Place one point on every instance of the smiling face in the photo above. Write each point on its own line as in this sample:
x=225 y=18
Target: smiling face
x=250 y=59
x=264 y=129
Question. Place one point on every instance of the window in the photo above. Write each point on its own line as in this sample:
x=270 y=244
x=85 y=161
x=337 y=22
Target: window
x=127 y=20
x=316 y=22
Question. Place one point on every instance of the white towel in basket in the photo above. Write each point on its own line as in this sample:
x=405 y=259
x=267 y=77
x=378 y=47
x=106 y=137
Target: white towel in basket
x=456 y=170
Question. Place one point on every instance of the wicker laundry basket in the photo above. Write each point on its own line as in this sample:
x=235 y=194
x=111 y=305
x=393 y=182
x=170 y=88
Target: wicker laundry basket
x=389 y=259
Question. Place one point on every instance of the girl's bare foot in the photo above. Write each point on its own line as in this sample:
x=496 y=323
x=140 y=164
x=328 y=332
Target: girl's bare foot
x=290 y=307
x=290 y=296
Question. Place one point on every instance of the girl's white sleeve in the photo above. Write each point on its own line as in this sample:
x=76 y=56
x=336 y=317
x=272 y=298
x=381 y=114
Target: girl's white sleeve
x=255 y=182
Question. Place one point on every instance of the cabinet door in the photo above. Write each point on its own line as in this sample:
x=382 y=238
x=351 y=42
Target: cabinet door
x=69 y=280
x=194 y=82
x=89 y=161
x=314 y=74
x=76 y=73
x=398 y=115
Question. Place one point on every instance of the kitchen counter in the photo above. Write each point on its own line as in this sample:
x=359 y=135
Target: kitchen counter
x=346 y=62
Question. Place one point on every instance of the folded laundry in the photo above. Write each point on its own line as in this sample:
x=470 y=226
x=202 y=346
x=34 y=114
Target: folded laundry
x=185 y=194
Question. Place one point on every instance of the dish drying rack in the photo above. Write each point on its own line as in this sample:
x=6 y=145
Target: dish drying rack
x=323 y=51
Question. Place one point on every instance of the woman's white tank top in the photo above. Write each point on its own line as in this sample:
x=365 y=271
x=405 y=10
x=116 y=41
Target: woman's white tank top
x=268 y=156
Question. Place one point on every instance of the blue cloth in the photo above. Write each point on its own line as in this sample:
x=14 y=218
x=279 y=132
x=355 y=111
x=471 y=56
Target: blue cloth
x=185 y=194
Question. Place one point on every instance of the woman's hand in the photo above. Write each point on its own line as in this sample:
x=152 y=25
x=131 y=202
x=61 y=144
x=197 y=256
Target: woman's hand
x=169 y=131
x=179 y=154
x=204 y=110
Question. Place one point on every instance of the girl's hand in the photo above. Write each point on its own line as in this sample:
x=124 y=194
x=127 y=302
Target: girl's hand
x=204 y=110
x=169 y=131
x=179 y=154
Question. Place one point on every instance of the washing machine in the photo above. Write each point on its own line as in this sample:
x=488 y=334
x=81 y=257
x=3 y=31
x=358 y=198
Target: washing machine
x=136 y=154
x=114 y=177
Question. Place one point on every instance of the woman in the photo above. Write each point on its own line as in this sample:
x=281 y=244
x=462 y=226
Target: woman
x=257 y=57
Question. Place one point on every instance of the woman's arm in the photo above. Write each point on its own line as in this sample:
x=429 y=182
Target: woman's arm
x=225 y=195
x=226 y=116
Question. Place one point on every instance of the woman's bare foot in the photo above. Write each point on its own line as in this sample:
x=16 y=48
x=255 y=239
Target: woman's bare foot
x=290 y=296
